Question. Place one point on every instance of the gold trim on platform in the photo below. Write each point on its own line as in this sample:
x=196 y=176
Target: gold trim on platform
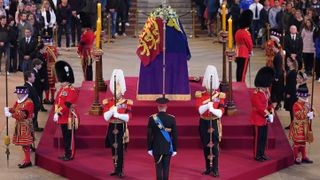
x=172 y=97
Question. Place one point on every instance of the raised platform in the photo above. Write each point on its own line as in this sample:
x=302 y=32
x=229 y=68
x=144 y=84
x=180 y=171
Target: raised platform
x=93 y=161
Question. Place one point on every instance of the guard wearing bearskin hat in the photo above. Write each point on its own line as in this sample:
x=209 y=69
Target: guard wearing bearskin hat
x=162 y=138
x=300 y=128
x=243 y=44
x=85 y=46
x=22 y=111
x=117 y=111
x=210 y=105
x=65 y=113
x=262 y=111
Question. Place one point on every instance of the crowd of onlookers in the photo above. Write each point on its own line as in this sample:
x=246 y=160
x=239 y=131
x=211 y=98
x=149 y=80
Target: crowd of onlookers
x=24 y=22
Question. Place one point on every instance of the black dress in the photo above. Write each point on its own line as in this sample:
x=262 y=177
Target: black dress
x=290 y=89
x=277 y=90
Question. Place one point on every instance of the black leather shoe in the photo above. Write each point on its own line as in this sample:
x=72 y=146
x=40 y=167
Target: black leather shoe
x=114 y=174
x=38 y=129
x=264 y=157
x=215 y=174
x=24 y=165
x=307 y=161
x=287 y=128
x=297 y=162
x=43 y=110
x=67 y=158
x=259 y=159
x=206 y=172
x=121 y=175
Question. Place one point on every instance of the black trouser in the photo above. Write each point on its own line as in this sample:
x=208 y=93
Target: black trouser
x=13 y=59
x=35 y=119
x=111 y=141
x=242 y=64
x=317 y=67
x=261 y=137
x=75 y=29
x=67 y=135
x=205 y=139
x=308 y=62
x=162 y=168
x=121 y=18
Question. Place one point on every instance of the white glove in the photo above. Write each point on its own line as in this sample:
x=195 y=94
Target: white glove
x=174 y=153
x=270 y=117
x=150 y=153
x=216 y=112
x=107 y=115
x=114 y=109
x=6 y=110
x=310 y=115
x=203 y=109
x=55 y=117
x=123 y=117
x=210 y=105
x=8 y=114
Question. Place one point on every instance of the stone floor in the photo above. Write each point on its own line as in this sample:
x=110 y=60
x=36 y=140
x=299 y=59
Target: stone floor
x=121 y=54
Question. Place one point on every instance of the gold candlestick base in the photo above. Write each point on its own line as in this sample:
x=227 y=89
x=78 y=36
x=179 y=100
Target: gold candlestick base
x=96 y=109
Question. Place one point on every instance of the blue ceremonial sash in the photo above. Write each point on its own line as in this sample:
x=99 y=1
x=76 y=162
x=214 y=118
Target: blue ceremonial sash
x=164 y=132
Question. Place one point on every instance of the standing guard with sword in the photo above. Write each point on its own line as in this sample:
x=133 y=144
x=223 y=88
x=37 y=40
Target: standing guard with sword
x=65 y=114
x=210 y=104
x=118 y=112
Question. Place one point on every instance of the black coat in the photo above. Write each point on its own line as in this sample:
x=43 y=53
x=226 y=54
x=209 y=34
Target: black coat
x=33 y=95
x=277 y=90
x=28 y=49
x=155 y=140
x=293 y=46
x=13 y=36
x=38 y=85
x=290 y=89
x=43 y=72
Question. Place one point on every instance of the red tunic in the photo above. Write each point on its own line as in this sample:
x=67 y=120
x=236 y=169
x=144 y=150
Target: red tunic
x=261 y=106
x=243 y=43
x=123 y=105
x=51 y=56
x=300 y=126
x=87 y=39
x=67 y=94
x=23 y=113
x=203 y=98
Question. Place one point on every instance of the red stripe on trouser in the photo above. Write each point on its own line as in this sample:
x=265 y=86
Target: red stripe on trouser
x=255 y=141
x=245 y=70
x=26 y=150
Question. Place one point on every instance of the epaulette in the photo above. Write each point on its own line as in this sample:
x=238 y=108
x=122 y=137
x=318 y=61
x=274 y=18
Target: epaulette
x=222 y=95
x=171 y=115
x=198 y=94
x=130 y=102
x=152 y=115
x=105 y=101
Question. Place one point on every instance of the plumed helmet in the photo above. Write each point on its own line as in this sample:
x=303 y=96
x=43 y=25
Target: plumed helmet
x=211 y=71
x=118 y=75
x=264 y=77
x=64 y=72
x=245 y=19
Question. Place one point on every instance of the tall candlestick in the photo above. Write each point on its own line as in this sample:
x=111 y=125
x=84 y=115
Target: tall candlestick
x=230 y=33
x=99 y=10
x=224 y=17
x=98 y=32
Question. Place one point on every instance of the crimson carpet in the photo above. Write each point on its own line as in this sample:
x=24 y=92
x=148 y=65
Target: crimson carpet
x=93 y=161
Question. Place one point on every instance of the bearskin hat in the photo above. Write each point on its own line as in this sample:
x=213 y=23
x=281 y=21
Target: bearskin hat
x=264 y=77
x=245 y=19
x=64 y=72
x=85 y=20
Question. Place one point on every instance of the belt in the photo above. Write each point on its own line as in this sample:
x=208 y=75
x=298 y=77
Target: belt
x=116 y=121
x=209 y=118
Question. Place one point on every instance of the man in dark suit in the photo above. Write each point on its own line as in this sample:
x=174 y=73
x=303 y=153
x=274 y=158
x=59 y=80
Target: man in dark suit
x=29 y=79
x=162 y=139
x=27 y=50
x=39 y=83
x=293 y=45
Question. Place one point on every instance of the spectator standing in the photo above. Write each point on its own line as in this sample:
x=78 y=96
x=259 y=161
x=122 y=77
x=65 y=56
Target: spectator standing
x=2 y=10
x=63 y=20
x=264 y=21
x=200 y=11
x=303 y=5
x=245 y=4
x=297 y=20
x=256 y=8
x=35 y=25
x=287 y=16
x=308 y=46
x=212 y=10
x=49 y=19
x=112 y=8
x=90 y=9
x=13 y=43
x=4 y=42
x=121 y=18
x=294 y=45
x=27 y=50
x=273 y=15
x=235 y=13
x=18 y=13
x=76 y=6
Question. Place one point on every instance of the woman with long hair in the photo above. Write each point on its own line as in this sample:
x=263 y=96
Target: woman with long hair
x=18 y=12
x=49 y=18
x=308 y=46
